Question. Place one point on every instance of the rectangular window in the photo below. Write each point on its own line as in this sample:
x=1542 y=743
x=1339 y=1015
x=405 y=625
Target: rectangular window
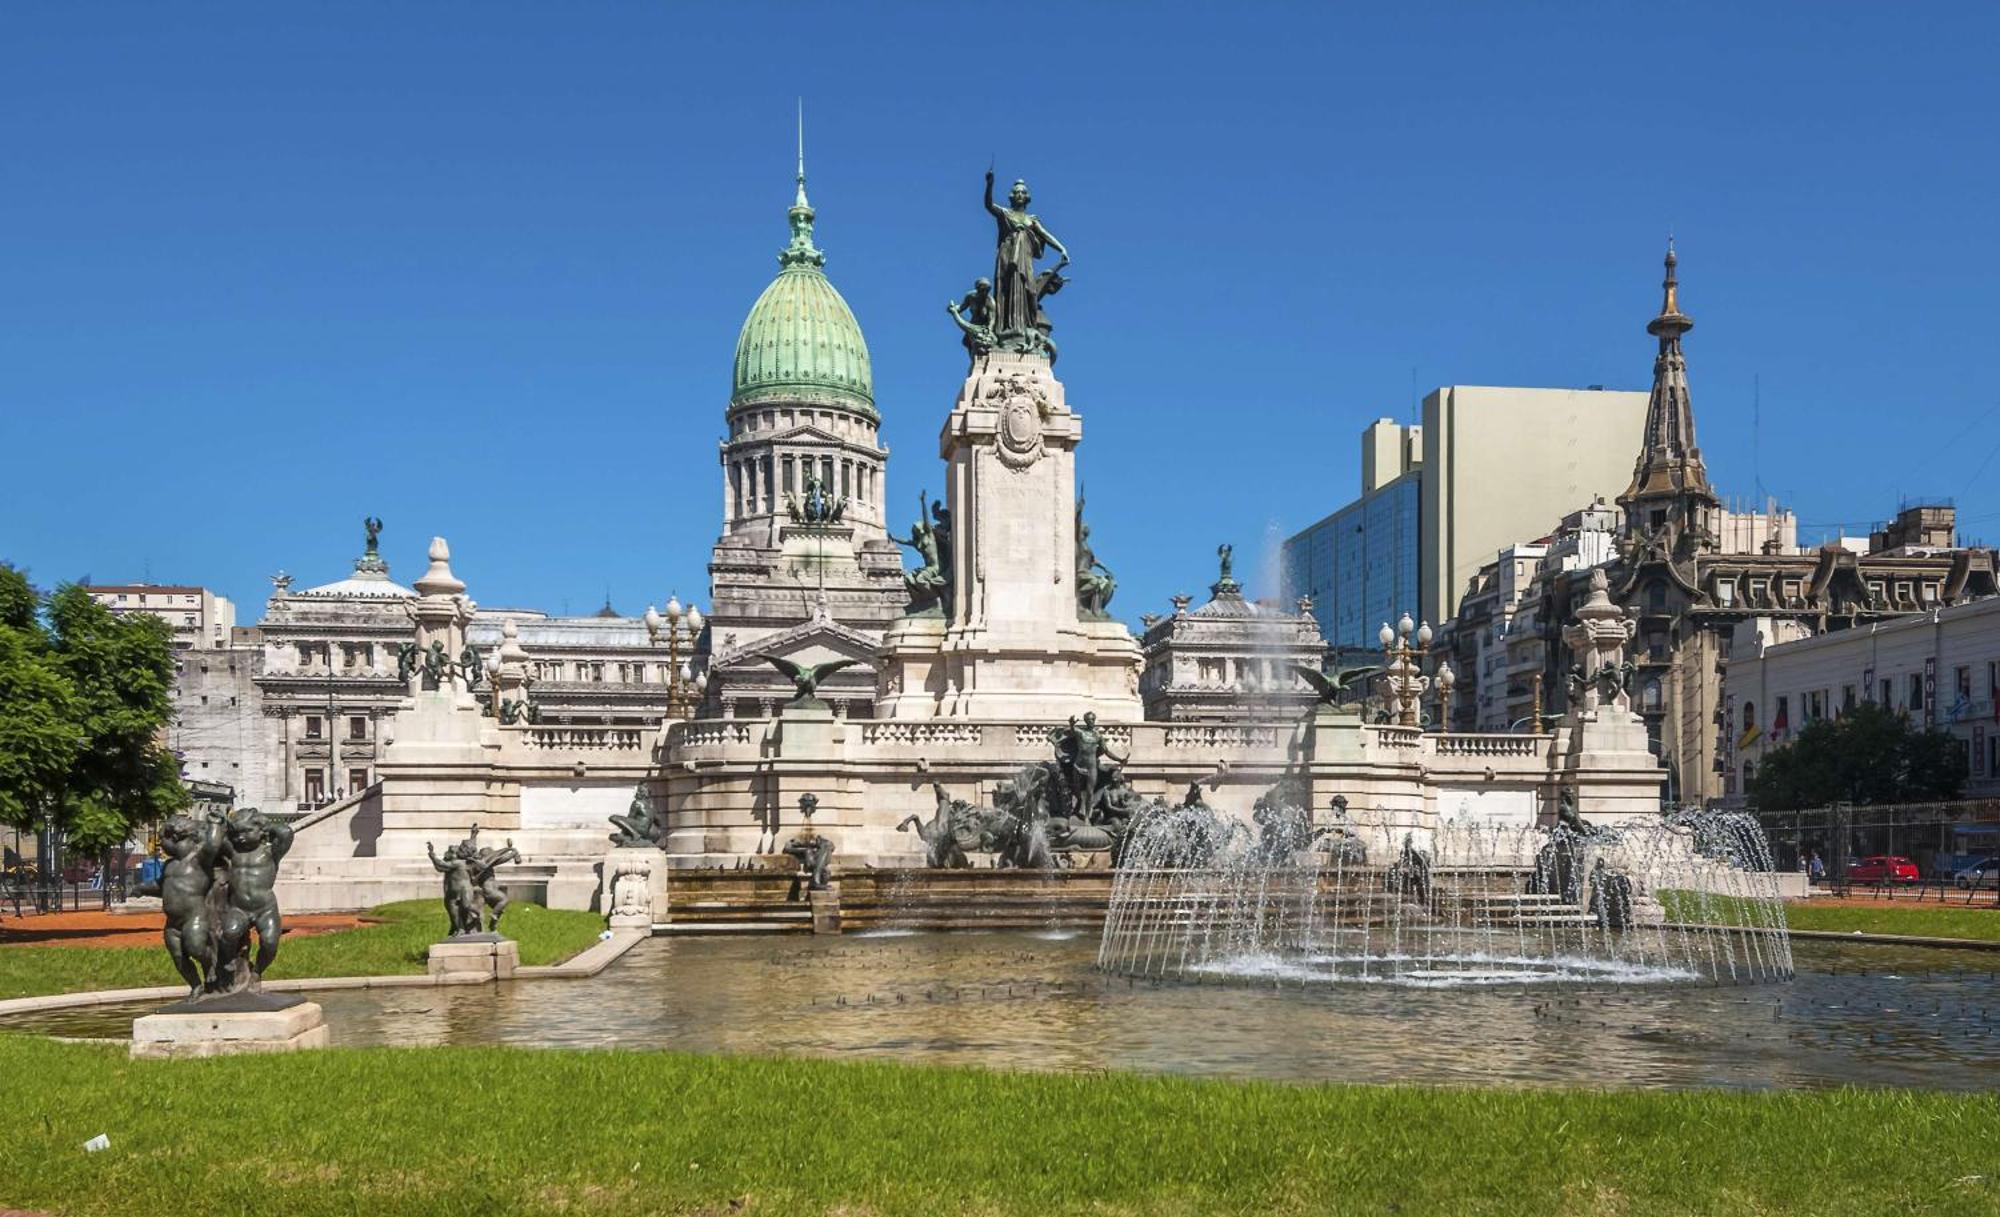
x=1930 y=593
x=1725 y=593
x=1887 y=693
x=314 y=726
x=1815 y=707
x=357 y=726
x=1760 y=590
x=356 y=779
x=1962 y=681
x=1875 y=590
x=1846 y=698
x=1915 y=702
x=315 y=785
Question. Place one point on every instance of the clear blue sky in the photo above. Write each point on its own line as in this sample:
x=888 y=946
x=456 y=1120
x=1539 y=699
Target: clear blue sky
x=478 y=268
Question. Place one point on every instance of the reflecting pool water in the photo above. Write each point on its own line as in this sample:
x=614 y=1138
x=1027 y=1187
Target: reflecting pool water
x=1855 y=1014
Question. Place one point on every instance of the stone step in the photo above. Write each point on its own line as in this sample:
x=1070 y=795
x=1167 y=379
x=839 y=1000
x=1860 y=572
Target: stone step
x=741 y=913
x=678 y=928
x=969 y=921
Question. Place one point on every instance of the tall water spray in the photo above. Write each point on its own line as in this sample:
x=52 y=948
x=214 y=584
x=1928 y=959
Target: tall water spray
x=1685 y=897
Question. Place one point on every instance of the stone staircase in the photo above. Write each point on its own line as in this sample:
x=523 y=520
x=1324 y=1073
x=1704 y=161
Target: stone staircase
x=754 y=901
x=733 y=902
x=984 y=899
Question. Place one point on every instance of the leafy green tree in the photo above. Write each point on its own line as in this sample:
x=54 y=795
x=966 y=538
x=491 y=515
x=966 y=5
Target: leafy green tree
x=1870 y=754
x=85 y=696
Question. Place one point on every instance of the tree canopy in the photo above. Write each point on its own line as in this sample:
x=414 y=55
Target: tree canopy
x=85 y=696
x=1870 y=754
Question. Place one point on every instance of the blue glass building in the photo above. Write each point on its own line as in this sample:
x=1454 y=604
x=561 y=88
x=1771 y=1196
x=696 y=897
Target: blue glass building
x=1360 y=564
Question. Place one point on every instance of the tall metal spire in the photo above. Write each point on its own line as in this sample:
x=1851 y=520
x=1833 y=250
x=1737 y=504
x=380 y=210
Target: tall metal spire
x=802 y=251
x=802 y=155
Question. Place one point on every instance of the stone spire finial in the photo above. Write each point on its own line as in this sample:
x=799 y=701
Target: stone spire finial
x=1671 y=323
x=438 y=580
x=511 y=650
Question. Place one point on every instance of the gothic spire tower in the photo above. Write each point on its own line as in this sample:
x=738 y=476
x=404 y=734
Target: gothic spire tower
x=1669 y=503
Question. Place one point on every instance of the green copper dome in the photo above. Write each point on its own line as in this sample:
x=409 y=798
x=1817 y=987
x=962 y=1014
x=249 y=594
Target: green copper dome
x=800 y=341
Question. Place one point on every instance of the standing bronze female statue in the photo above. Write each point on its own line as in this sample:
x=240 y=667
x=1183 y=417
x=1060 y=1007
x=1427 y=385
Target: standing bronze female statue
x=1016 y=287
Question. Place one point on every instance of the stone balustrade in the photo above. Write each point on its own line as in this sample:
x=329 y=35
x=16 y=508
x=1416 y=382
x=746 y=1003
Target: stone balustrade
x=588 y=739
x=890 y=732
x=715 y=734
x=1397 y=737
x=1220 y=735
x=1491 y=745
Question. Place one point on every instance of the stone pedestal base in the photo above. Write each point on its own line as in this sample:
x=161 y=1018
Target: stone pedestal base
x=635 y=887
x=223 y=1032
x=826 y=909
x=474 y=959
x=1608 y=760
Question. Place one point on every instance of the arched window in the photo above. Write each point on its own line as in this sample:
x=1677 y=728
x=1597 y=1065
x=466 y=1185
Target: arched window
x=1749 y=716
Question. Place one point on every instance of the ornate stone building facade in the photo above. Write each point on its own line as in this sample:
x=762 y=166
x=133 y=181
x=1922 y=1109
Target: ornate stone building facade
x=1230 y=660
x=1689 y=571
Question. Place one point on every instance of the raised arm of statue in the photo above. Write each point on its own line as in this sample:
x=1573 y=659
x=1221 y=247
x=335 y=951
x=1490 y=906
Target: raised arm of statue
x=279 y=834
x=211 y=841
x=989 y=193
x=432 y=851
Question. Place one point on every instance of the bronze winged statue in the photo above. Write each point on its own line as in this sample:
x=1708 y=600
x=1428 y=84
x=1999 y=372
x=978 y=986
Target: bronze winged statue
x=1331 y=685
x=806 y=676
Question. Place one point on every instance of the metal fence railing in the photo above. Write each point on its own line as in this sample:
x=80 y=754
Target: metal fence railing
x=1944 y=841
x=24 y=890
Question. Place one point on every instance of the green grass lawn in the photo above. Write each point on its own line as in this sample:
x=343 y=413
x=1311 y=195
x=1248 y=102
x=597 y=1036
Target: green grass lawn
x=436 y=1132
x=1927 y=921
x=1914 y=920
x=395 y=945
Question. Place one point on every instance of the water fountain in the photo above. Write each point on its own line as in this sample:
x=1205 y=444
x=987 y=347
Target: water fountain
x=1684 y=897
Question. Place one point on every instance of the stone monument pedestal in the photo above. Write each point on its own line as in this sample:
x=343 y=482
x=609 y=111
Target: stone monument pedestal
x=1011 y=642
x=634 y=895
x=474 y=959
x=1610 y=762
x=227 y=1025
x=826 y=909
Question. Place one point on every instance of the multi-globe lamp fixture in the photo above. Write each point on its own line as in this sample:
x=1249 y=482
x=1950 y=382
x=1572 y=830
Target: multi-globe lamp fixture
x=680 y=627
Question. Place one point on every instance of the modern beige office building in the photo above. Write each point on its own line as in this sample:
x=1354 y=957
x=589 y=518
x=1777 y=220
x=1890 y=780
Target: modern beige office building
x=1500 y=464
x=197 y=616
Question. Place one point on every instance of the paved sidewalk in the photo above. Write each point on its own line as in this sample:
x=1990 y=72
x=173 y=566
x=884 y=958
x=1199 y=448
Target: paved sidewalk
x=136 y=929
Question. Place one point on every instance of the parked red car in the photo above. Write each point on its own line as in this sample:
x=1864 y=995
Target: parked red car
x=1882 y=868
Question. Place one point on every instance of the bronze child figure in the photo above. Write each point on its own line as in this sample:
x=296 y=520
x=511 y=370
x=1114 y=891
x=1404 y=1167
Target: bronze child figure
x=192 y=848
x=253 y=845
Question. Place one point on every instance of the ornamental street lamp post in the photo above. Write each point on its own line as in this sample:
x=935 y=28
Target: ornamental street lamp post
x=1403 y=660
x=680 y=675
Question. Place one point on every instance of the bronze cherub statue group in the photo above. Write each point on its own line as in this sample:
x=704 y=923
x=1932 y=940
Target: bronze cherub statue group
x=218 y=886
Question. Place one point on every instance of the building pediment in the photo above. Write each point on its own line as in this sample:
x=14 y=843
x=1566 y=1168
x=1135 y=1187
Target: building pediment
x=821 y=640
